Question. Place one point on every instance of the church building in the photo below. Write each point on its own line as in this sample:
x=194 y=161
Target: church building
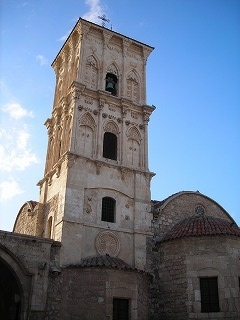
x=95 y=245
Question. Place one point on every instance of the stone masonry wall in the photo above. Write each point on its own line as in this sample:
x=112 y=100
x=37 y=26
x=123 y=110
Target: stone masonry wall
x=36 y=256
x=216 y=256
x=169 y=285
x=87 y=294
x=177 y=266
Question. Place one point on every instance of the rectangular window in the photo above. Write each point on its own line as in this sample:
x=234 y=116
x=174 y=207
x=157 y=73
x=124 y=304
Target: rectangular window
x=108 y=209
x=209 y=294
x=110 y=146
x=120 y=309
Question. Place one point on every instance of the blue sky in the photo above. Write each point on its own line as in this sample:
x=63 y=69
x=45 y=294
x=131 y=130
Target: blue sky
x=193 y=79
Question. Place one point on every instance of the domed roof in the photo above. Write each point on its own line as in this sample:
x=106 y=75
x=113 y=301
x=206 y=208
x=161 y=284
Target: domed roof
x=201 y=225
x=103 y=261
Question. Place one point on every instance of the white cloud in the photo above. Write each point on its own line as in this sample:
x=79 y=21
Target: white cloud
x=15 y=151
x=64 y=37
x=16 y=111
x=42 y=59
x=96 y=9
x=9 y=189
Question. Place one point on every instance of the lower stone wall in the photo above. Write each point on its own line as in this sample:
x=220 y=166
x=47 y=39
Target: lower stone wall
x=177 y=267
x=171 y=284
x=28 y=260
x=214 y=256
x=87 y=294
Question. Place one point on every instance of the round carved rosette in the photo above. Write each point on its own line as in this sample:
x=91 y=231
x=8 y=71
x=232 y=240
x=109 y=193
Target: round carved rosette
x=107 y=242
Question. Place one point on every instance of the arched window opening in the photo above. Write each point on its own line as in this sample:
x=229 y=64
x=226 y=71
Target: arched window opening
x=111 y=83
x=110 y=146
x=108 y=209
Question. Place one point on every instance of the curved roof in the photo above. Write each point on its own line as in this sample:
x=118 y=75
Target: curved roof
x=31 y=206
x=160 y=205
x=164 y=202
x=201 y=225
x=103 y=261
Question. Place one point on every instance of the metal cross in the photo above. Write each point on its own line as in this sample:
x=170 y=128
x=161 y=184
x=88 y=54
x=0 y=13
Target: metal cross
x=104 y=19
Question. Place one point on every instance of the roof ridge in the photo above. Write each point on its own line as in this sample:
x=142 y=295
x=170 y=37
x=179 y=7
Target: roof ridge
x=201 y=225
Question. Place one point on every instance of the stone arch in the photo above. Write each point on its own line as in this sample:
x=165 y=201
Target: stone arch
x=112 y=68
x=87 y=120
x=16 y=283
x=111 y=126
x=134 y=134
x=86 y=135
x=112 y=79
x=133 y=88
x=91 y=72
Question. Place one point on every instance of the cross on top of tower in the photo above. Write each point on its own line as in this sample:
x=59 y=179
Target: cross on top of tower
x=104 y=19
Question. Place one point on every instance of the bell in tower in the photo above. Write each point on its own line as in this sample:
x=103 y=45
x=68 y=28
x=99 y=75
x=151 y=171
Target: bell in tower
x=97 y=148
x=111 y=81
x=95 y=194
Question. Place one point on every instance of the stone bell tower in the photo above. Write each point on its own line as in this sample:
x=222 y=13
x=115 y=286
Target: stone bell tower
x=95 y=192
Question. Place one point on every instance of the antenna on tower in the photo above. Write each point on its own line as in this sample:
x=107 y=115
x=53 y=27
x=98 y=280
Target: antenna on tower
x=104 y=19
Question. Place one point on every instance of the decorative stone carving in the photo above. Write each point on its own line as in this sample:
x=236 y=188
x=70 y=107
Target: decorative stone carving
x=91 y=72
x=124 y=173
x=107 y=242
x=58 y=171
x=70 y=158
x=199 y=209
x=134 y=134
x=110 y=126
x=101 y=103
x=87 y=120
x=112 y=69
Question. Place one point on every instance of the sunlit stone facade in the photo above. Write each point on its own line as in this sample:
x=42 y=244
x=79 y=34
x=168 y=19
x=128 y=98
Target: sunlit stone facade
x=95 y=246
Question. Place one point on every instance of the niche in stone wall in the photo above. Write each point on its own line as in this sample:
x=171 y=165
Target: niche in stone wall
x=91 y=73
x=133 y=92
x=85 y=137
x=133 y=146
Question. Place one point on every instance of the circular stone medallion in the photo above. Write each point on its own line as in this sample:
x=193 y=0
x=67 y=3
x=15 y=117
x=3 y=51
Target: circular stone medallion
x=107 y=242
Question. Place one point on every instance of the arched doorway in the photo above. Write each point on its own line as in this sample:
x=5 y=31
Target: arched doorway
x=15 y=286
x=10 y=294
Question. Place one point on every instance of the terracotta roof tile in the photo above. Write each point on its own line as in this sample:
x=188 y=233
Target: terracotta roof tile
x=200 y=226
x=103 y=261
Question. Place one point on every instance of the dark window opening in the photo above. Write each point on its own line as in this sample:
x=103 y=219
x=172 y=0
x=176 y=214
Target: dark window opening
x=209 y=294
x=108 y=209
x=110 y=146
x=111 y=82
x=120 y=309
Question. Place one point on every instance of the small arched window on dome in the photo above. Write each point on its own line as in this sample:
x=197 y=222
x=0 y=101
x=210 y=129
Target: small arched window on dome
x=111 y=83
